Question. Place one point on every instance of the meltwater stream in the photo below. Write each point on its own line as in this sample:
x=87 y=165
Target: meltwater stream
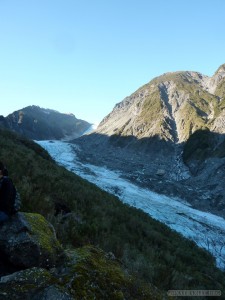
x=206 y=229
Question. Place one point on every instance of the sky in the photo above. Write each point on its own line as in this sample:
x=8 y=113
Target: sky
x=83 y=57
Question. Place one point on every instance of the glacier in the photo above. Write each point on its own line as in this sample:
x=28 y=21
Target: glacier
x=205 y=229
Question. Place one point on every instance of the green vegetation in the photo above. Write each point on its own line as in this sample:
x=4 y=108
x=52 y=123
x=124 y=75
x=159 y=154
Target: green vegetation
x=220 y=91
x=147 y=249
x=88 y=274
x=99 y=276
x=43 y=233
x=151 y=114
x=198 y=104
x=195 y=106
x=24 y=282
x=203 y=144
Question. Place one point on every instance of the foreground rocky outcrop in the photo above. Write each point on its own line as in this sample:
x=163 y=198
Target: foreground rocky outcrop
x=33 y=265
x=33 y=283
x=28 y=240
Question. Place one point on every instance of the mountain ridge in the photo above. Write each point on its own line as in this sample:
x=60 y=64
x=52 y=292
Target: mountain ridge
x=161 y=107
x=39 y=123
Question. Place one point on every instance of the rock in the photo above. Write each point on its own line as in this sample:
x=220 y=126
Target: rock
x=86 y=273
x=34 y=283
x=52 y=293
x=6 y=267
x=160 y=172
x=28 y=244
x=91 y=274
x=28 y=240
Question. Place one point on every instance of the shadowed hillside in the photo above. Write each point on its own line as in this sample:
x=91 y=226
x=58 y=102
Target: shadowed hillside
x=84 y=214
x=42 y=124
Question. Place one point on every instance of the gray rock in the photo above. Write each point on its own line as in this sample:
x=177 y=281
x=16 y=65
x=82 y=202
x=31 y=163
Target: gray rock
x=160 y=172
x=32 y=284
x=28 y=240
x=52 y=293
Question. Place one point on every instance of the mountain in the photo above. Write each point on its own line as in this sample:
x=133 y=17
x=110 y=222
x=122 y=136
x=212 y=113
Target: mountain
x=171 y=106
x=151 y=137
x=141 y=258
x=44 y=124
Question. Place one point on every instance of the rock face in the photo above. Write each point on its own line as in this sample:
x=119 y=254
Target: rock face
x=34 y=283
x=171 y=106
x=28 y=240
x=44 y=124
x=33 y=269
x=150 y=130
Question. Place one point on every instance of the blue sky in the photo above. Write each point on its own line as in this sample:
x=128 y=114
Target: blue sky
x=85 y=56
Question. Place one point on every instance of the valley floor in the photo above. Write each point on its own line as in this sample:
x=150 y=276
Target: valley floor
x=206 y=229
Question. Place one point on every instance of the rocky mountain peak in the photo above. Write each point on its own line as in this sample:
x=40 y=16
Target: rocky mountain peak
x=221 y=70
x=171 y=106
x=213 y=82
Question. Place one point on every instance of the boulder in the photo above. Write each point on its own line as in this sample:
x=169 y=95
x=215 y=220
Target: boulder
x=43 y=271
x=86 y=273
x=160 y=172
x=28 y=240
x=34 y=283
x=52 y=293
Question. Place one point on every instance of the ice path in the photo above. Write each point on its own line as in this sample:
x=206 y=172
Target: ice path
x=206 y=229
